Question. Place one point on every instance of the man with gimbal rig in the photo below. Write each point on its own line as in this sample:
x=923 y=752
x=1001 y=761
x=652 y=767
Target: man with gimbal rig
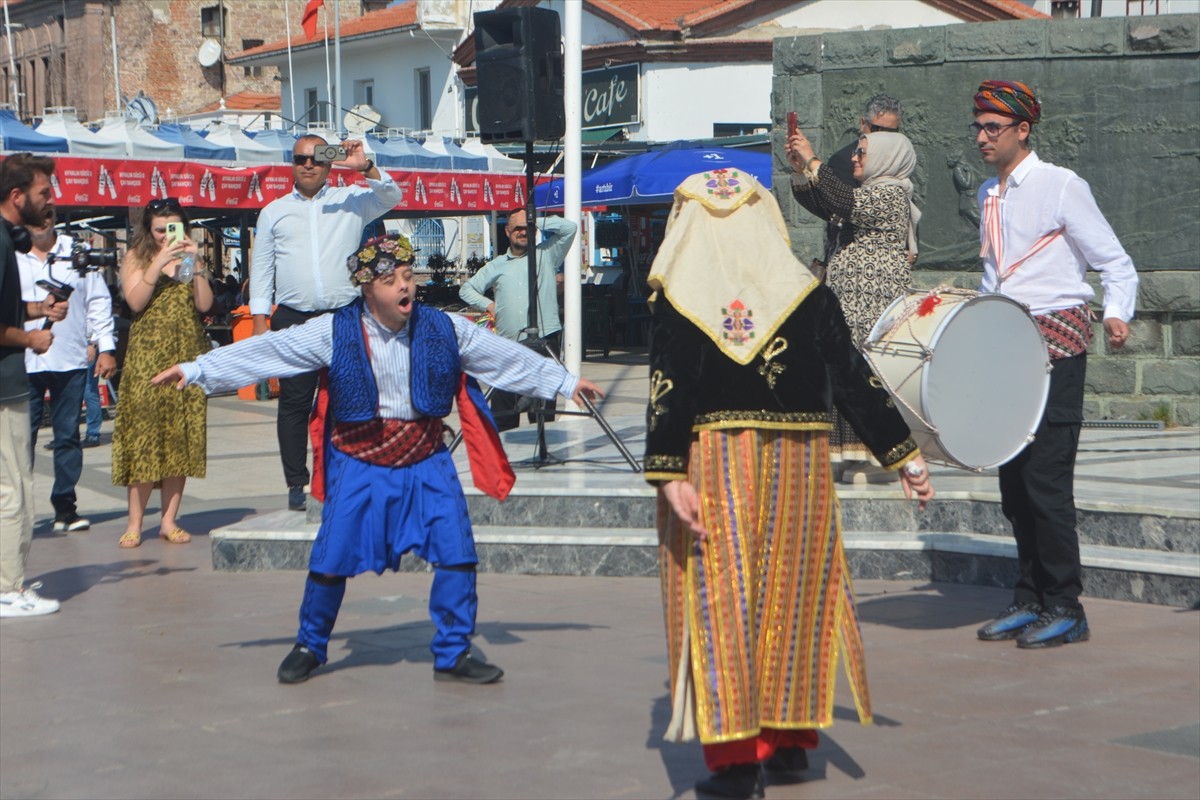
x=507 y=276
x=49 y=268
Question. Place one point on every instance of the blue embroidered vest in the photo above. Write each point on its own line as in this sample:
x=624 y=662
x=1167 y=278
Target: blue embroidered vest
x=434 y=366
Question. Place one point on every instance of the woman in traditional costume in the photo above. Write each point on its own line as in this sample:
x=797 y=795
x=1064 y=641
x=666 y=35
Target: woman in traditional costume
x=750 y=354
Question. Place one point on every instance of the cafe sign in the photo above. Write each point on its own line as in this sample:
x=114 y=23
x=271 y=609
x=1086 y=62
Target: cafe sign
x=610 y=97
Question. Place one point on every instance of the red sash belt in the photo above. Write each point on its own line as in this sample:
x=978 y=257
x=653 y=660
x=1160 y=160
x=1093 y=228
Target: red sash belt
x=389 y=442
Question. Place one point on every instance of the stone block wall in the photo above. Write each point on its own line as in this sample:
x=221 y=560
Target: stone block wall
x=1121 y=106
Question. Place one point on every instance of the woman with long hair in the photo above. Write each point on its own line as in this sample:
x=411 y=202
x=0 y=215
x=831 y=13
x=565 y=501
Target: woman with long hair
x=159 y=437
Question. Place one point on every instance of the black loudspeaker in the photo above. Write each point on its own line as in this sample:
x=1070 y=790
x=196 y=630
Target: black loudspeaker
x=519 y=67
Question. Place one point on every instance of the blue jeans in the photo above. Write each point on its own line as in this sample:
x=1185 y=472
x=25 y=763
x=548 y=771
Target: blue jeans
x=66 y=398
x=91 y=396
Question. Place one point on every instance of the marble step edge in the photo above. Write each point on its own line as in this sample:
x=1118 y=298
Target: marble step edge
x=1186 y=565
x=887 y=493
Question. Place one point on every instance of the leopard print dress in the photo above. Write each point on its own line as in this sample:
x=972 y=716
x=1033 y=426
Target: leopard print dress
x=868 y=273
x=161 y=432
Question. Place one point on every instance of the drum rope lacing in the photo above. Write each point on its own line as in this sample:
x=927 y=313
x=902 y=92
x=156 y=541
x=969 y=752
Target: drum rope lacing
x=905 y=318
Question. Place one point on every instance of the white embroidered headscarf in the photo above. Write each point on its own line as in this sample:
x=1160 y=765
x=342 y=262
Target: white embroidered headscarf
x=890 y=161
x=726 y=263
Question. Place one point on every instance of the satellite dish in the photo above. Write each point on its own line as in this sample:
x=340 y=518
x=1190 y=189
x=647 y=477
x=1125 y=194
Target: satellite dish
x=361 y=119
x=210 y=52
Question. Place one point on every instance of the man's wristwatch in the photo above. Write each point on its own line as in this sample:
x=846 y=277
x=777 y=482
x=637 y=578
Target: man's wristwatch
x=370 y=166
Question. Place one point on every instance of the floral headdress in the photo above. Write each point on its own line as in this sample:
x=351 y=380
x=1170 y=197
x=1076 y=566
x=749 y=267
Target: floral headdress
x=380 y=256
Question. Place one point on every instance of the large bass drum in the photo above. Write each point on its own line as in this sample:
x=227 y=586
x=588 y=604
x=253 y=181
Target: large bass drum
x=969 y=372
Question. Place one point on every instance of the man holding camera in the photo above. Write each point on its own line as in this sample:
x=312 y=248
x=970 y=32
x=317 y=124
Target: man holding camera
x=301 y=245
x=62 y=370
x=25 y=199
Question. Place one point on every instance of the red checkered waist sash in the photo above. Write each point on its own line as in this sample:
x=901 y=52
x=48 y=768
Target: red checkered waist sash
x=1067 y=332
x=389 y=442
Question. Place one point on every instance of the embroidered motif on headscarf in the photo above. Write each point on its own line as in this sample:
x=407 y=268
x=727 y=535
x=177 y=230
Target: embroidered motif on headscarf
x=1010 y=98
x=739 y=328
x=723 y=183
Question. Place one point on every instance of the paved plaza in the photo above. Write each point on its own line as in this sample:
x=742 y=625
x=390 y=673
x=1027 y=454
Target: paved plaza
x=157 y=678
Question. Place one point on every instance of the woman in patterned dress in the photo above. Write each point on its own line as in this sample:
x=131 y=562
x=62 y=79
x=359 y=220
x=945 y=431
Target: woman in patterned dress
x=159 y=437
x=873 y=269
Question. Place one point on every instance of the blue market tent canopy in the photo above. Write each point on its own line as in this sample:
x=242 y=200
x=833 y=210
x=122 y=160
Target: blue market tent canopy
x=403 y=147
x=459 y=158
x=652 y=177
x=282 y=141
x=195 y=145
x=17 y=137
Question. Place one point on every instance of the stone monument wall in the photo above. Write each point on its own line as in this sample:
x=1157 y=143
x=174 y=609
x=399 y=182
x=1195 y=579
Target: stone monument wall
x=1120 y=106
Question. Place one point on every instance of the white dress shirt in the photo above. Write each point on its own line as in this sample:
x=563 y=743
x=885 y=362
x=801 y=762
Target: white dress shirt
x=1038 y=199
x=89 y=311
x=301 y=245
x=302 y=348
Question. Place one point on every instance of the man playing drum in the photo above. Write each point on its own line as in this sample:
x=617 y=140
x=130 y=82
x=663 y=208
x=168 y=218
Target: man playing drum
x=1041 y=230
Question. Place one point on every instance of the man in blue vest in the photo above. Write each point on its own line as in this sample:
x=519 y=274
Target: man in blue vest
x=395 y=367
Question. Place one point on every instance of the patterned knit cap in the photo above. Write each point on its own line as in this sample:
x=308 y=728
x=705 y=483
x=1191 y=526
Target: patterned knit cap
x=380 y=256
x=1010 y=98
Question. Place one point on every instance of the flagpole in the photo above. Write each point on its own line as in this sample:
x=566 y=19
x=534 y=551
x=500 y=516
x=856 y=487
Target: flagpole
x=337 y=64
x=287 y=16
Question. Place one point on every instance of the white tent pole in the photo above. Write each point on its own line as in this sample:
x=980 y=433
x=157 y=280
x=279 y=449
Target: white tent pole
x=337 y=64
x=572 y=98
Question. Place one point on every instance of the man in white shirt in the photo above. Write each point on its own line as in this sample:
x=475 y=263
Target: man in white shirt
x=1041 y=231
x=301 y=244
x=62 y=370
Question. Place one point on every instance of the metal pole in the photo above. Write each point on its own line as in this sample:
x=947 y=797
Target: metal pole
x=572 y=192
x=116 y=70
x=12 y=63
x=337 y=65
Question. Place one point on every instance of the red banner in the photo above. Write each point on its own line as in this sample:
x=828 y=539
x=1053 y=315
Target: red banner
x=103 y=182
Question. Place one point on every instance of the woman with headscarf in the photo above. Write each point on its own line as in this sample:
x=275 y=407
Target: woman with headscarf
x=749 y=355
x=873 y=269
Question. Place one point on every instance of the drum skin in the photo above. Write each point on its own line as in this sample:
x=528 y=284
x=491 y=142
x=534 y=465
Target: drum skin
x=969 y=372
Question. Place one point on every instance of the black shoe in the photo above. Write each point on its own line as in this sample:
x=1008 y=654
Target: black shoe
x=787 y=761
x=90 y=441
x=296 y=499
x=469 y=669
x=48 y=445
x=1010 y=623
x=298 y=665
x=1056 y=626
x=71 y=522
x=740 y=780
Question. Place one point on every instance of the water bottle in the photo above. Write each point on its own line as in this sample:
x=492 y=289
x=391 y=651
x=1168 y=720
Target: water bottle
x=187 y=267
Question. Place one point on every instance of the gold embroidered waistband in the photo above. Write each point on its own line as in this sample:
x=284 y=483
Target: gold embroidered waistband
x=787 y=420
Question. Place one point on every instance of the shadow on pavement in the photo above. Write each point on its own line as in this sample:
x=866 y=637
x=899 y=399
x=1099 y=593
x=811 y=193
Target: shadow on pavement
x=74 y=581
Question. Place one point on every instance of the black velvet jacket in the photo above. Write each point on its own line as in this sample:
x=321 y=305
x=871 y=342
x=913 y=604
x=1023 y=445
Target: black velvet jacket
x=809 y=365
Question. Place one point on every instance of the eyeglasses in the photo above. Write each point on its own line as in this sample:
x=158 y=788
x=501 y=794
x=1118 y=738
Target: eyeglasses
x=881 y=128
x=860 y=153
x=166 y=202
x=992 y=129
x=300 y=161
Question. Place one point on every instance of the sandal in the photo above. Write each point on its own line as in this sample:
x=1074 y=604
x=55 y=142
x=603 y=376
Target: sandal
x=176 y=536
x=130 y=538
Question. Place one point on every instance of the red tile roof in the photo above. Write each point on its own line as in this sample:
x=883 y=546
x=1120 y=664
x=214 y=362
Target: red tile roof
x=396 y=18
x=245 y=101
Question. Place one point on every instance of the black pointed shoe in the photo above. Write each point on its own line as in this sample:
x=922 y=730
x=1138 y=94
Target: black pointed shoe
x=739 y=780
x=298 y=665
x=788 y=762
x=469 y=669
x=1057 y=625
x=1010 y=623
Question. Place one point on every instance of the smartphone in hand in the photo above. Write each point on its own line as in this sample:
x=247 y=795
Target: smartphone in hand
x=175 y=232
x=791 y=123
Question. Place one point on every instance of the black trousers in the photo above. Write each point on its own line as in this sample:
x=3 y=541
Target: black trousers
x=296 y=395
x=1037 y=495
x=506 y=408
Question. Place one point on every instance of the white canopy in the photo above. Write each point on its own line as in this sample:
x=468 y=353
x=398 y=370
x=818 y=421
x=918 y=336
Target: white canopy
x=248 y=150
x=138 y=141
x=80 y=141
x=497 y=161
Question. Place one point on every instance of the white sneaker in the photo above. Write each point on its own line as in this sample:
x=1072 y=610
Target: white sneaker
x=27 y=603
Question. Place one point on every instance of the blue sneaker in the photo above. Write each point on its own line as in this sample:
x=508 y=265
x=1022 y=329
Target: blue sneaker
x=297 y=501
x=1010 y=623
x=1056 y=626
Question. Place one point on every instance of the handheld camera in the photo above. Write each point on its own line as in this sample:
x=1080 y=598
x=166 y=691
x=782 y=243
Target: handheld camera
x=328 y=153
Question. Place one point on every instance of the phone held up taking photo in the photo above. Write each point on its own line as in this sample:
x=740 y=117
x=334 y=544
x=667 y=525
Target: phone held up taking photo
x=175 y=232
x=792 y=126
